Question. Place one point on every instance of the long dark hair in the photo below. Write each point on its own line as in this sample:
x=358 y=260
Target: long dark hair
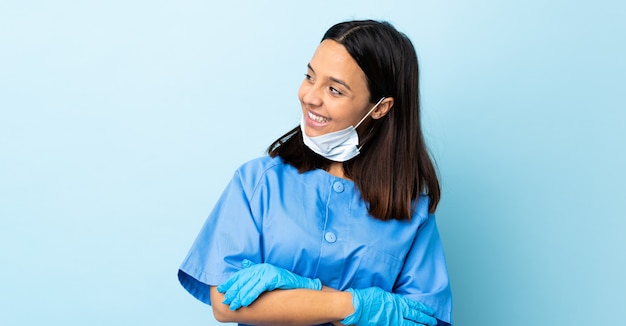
x=393 y=166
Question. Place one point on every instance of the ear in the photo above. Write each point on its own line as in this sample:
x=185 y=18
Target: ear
x=382 y=108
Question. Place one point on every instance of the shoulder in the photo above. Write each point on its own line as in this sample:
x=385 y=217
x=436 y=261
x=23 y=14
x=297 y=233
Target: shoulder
x=262 y=165
x=421 y=213
x=261 y=169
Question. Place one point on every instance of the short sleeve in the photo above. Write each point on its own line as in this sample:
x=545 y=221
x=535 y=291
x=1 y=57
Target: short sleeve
x=230 y=234
x=424 y=276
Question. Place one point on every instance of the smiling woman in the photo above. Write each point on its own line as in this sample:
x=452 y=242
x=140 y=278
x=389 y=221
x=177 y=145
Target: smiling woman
x=336 y=225
x=334 y=94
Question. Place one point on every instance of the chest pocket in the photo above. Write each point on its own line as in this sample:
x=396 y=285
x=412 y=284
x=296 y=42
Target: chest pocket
x=377 y=268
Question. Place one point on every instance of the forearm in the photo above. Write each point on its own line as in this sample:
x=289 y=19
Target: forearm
x=287 y=307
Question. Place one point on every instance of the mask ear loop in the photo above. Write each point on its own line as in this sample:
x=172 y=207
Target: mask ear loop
x=368 y=113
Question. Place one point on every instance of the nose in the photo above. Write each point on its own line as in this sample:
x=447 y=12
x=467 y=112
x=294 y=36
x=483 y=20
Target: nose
x=310 y=94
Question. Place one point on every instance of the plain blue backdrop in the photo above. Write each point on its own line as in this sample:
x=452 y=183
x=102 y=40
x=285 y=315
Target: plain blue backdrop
x=122 y=121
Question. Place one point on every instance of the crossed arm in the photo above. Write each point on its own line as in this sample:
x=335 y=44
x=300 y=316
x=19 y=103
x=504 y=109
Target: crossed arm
x=263 y=294
x=287 y=307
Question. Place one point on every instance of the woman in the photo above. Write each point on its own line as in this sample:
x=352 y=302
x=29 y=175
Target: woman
x=336 y=225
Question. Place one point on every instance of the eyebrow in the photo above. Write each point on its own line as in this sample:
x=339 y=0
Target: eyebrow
x=333 y=79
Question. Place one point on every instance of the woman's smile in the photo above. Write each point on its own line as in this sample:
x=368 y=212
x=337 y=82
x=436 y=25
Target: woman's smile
x=315 y=120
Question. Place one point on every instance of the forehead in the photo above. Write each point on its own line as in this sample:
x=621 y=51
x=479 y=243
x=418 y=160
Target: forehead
x=331 y=59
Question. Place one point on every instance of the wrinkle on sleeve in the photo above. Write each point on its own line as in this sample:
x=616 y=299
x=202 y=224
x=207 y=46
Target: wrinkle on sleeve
x=424 y=276
x=230 y=234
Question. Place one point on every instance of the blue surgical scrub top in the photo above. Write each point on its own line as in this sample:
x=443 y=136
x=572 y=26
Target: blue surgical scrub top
x=316 y=225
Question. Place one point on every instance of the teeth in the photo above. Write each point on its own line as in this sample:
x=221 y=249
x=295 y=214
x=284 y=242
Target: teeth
x=317 y=118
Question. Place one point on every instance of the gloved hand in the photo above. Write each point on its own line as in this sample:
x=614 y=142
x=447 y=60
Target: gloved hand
x=246 y=285
x=375 y=306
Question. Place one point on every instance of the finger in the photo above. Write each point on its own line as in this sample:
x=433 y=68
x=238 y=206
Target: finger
x=234 y=295
x=420 y=317
x=222 y=288
x=237 y=280
x=233 y=285
x=234 y=305
x=419 y=306
x=246 y=263
x=244 y=281
x=250 y=291
x=232 y=291
x=406 y=322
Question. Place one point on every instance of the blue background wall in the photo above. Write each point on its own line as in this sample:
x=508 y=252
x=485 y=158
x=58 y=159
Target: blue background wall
x=122 y=121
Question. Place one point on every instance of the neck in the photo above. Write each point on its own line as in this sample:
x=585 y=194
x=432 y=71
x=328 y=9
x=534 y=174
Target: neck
x=336 y=169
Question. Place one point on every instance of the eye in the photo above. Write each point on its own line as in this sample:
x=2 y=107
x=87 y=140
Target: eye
x=335 y=91
x=308 y=77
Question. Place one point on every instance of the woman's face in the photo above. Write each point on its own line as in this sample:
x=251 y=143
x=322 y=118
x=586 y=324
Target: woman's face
x=334 y=93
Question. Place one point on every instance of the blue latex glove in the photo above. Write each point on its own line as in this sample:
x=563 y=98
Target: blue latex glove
x=246 y=285
x=375 y=306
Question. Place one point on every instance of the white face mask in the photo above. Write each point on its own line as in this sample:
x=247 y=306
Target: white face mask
x=338 y=146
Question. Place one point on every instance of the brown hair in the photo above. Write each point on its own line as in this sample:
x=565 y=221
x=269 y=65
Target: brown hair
x=393 y=166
